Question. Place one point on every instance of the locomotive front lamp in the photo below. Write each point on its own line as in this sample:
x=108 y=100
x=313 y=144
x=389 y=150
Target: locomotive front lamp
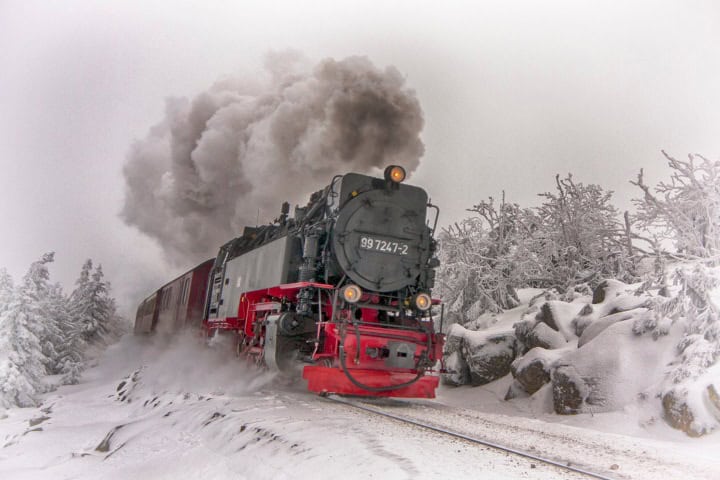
x=395 y=174
x=351 y=293
x=423 y=301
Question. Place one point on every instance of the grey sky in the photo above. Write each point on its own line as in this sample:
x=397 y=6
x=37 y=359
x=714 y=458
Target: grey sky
x=512 y=93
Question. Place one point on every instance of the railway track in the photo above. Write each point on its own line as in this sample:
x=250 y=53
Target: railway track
x=559 y=464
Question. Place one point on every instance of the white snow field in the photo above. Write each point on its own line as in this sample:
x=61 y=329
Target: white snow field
x=183 y=411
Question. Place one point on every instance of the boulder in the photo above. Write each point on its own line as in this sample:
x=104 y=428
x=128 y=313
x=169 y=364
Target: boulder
x=559 y=316
x=532 y=370
x=583 y=319
x=692 y=408
x=608 y=289
x=534 y=333
x=458 y=373
x=612 y=370
x=569 y=390
x=598 y=326
x=457 y=370
x=543 y=336
x=714 y=399
x=531 y=376
x=678 y=414
x=523 y=330
x=595 y=315
x=488 y=355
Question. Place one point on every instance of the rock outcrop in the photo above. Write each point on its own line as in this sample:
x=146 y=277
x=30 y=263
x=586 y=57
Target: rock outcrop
x=477 y=358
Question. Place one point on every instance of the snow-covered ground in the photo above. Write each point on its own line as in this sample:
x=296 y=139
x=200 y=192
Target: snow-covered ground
x=190 y=412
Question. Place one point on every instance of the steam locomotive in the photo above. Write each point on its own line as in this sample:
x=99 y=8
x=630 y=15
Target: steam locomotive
x=340 y=291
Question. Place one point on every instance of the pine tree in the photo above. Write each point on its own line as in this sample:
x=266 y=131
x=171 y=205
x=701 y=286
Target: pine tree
x=6 y=289
x=37 y=280
x=92 y=307
x=53 y=339
x=66 y=342
x=22 y=325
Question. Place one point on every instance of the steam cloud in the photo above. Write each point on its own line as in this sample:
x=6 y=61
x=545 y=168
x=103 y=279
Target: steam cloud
x=203 y=173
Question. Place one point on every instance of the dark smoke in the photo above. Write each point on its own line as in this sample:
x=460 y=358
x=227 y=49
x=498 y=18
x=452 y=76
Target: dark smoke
x=202 y=173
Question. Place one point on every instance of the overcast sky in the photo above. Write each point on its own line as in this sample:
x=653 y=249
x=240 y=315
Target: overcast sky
x=512 y=93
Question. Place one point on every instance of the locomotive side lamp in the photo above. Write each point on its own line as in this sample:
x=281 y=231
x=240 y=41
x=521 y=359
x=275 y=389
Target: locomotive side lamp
x=351 y=293
x=394 y=173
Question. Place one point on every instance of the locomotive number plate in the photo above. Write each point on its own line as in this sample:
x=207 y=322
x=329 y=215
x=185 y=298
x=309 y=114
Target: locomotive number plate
x=384 y=246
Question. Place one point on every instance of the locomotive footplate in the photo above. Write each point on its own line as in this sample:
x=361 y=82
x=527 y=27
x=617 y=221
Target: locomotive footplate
x=325 y=380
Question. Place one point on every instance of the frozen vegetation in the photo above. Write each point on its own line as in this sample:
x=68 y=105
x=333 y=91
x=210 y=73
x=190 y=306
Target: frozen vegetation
x=46 y=337
x=591 y=310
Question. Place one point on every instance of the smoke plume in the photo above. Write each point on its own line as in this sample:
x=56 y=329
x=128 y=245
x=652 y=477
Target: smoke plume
x=240 y=147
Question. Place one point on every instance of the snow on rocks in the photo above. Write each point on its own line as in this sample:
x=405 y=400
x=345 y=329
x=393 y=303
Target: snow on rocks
x=127 y=385
x=458 y=373
x=590 y=355
x=559 y=316
x=487 y=355
x=609 y=289
x=693 y=406
x=595 y=328
x=532 y=370
x=612 y=370
x=534 y=333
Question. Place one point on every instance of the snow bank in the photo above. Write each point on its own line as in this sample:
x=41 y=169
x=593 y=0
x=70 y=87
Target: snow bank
x=630 y=346
x=612 y=370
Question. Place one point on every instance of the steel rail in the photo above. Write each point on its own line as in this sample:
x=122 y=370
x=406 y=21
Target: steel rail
x=548 y=461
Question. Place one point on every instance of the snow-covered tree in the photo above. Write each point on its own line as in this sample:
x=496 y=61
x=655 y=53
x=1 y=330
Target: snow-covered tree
x=43 y=332
x=6 y=289
x=54 y=309
x=66 y=337
x=480 y=259
x=687 y=209
x=573 y=240
x=22 y=328
x=92 y=306
x=580 y=238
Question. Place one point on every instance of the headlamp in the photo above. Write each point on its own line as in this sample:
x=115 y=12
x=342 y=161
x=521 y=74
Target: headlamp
x=395 y=174
x=423 y=301
x=351 y=293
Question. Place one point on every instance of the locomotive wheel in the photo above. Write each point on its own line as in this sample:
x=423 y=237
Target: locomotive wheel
x=287 y=356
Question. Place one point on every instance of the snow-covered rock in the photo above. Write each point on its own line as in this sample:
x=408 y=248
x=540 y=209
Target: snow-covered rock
x=545 y=337
x=532 y=370
x=456 y=366
x=457 y=370
x=559 y=315
x=596 y=328
x=611 y=370
x=608 y=289
x=488 y=355
x=693 y=406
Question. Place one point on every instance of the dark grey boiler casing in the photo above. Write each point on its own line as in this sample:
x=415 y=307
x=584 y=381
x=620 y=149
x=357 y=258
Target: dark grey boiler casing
x=380 y=238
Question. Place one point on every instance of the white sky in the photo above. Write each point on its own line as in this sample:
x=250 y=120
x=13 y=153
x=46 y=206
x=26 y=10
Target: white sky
x=513 y=93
